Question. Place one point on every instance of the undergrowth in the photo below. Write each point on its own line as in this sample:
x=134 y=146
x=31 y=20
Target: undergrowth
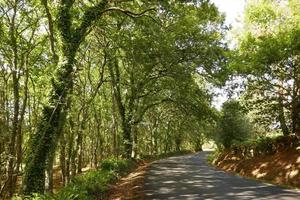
x=94 y=184
x=91 y=185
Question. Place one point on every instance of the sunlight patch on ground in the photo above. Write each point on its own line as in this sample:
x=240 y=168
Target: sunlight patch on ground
x=263 y=165
x=288 y=166
x=298 y=160
x=293 y=173
x=258 y=174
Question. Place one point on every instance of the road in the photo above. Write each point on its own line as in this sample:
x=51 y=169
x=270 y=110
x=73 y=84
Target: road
x=190 y=177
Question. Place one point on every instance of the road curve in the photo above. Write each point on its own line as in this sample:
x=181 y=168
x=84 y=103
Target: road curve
x=189 y=177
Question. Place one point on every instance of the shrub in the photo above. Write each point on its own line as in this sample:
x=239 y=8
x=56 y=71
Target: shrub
x=87 y=186
x=119 y=166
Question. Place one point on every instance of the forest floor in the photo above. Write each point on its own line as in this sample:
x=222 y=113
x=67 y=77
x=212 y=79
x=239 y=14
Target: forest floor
x=282 y=168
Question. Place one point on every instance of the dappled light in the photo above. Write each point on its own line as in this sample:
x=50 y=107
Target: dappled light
x=189 y=177
x=280 y=168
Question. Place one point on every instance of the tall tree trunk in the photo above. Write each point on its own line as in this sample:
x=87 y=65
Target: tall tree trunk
x=12 y=146
x=11 y=184
x=4 y=131
x=19 y=139
x=125 y=118
x=62 y=159
x=127 y=139
x=296 y=116
x=281 y=117
x=134 y=150
x=79 y=150
x=70 y=162
x=114 y=124
x=49 y=174
x=296 y=107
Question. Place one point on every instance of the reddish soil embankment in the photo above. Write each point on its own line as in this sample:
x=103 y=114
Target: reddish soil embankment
x=281 y=168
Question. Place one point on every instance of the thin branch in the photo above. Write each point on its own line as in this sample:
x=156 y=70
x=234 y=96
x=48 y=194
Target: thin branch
x=51 y=28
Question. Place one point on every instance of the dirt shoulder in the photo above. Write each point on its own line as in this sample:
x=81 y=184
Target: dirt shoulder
x=282 y=168
x=131 y=186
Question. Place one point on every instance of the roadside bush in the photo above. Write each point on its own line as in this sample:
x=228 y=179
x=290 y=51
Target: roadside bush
x=88 y=186
x=119 y=166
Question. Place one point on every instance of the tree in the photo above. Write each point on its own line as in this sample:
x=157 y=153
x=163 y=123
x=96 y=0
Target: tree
x=82 y=81
x=145 y=70
x=268 y=54
x=234 y=126
x=72 y=34
x=19 y=46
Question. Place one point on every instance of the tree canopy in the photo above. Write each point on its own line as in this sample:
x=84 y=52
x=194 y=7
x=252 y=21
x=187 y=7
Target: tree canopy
x=81 y=81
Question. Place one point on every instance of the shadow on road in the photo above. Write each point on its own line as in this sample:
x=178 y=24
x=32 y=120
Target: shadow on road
x=189 y=177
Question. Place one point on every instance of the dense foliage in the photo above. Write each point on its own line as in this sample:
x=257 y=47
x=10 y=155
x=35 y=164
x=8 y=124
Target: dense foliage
x=83 y=81
x=267 y=55
x=234 y=126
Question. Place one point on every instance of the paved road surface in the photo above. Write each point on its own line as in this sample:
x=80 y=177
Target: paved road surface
x=189 y=177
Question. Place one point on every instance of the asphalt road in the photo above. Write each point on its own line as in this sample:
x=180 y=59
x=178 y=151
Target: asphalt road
x=189 y=177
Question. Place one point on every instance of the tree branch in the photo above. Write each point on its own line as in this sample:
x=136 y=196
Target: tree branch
x=51 y=29
x=97 y=11
x=128 y=13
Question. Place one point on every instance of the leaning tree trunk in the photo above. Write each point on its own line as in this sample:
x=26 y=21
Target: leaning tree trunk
x=48 y=130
